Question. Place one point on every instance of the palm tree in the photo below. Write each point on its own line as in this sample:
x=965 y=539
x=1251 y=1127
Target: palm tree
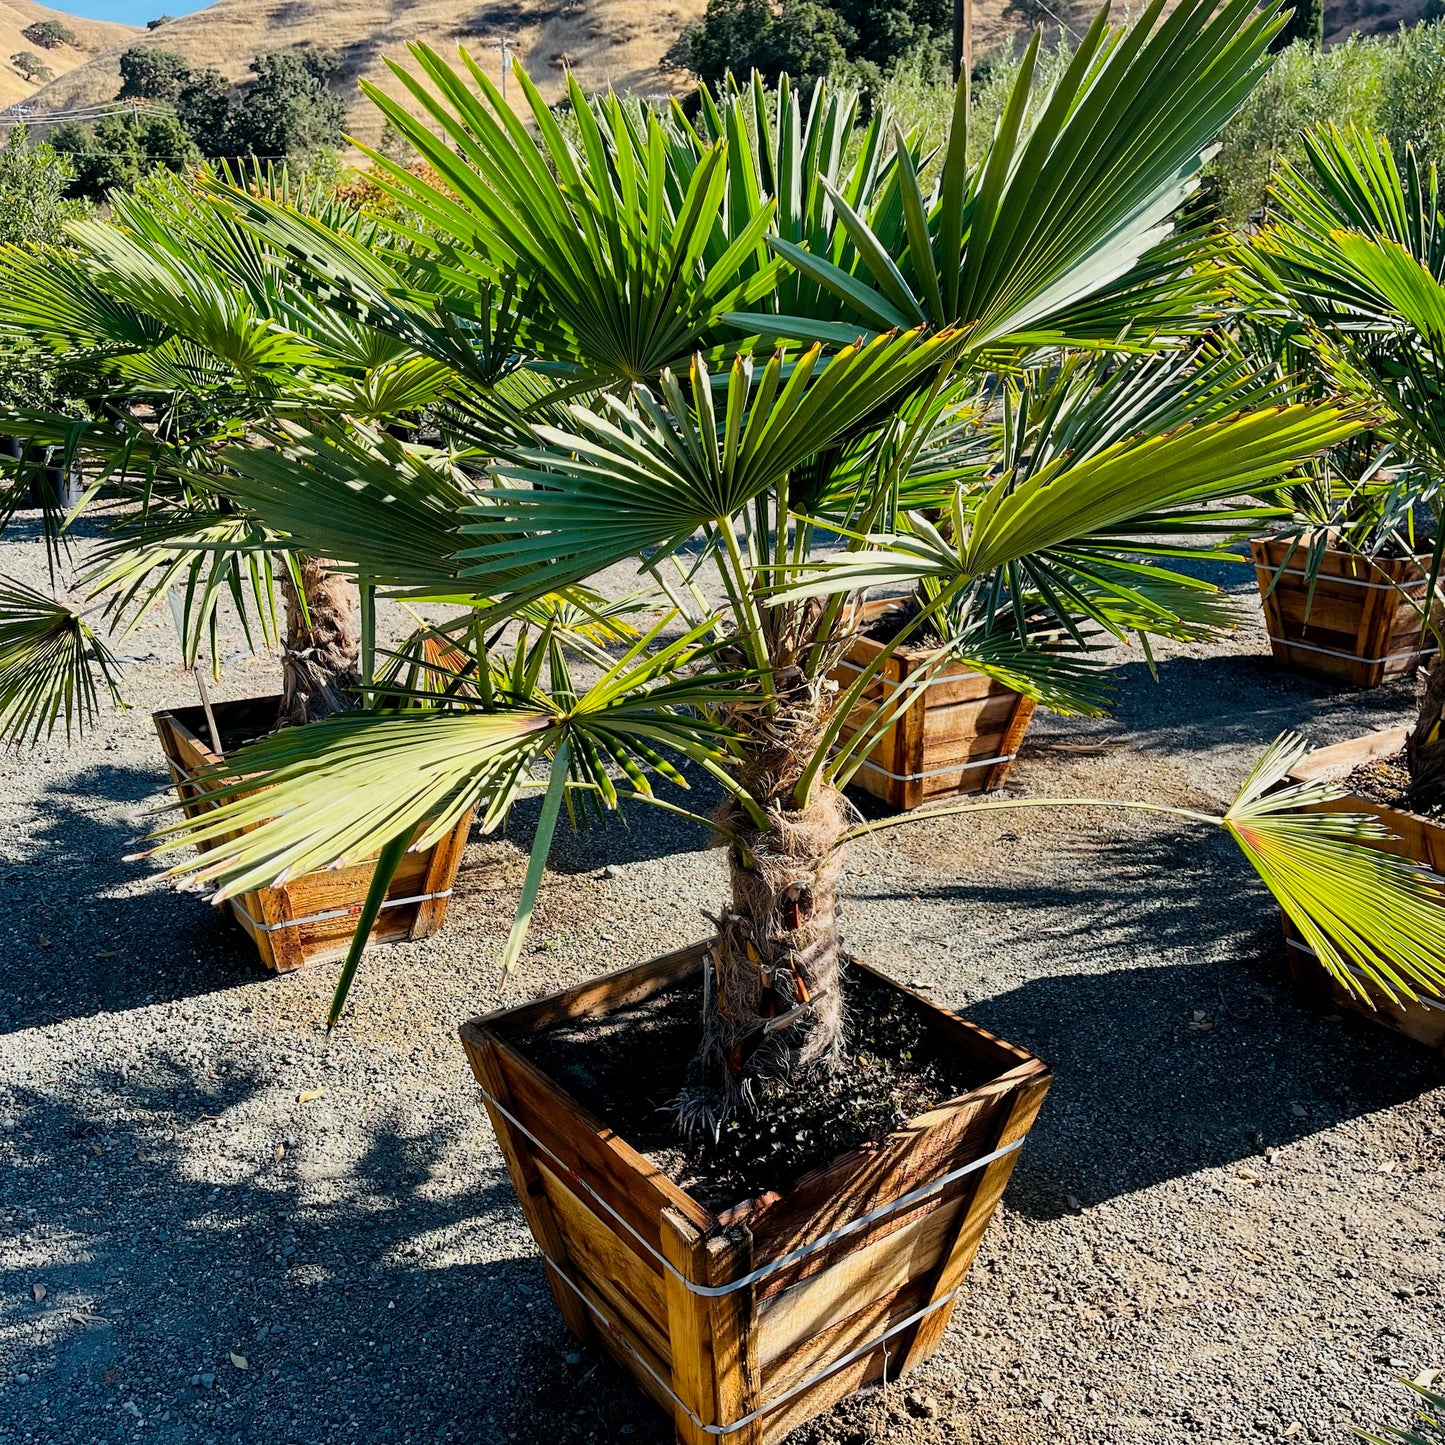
x=771 y=378
x=187 y=333
x=1356 y=252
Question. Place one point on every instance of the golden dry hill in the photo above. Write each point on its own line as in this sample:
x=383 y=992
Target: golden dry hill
x=606 y=42
x=93 y=38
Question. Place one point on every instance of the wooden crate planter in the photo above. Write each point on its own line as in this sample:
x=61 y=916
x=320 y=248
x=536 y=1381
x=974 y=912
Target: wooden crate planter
x=959 y=735
x=1417 y=838
x=1357 y=625
x=311 y=918
x=752 y=1325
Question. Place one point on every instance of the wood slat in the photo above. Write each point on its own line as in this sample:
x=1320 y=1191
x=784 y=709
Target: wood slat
x=628 y=1283
x=883 y=1266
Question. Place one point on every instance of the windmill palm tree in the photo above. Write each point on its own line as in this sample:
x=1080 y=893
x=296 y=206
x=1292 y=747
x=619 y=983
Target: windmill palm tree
x=1356 y=254
x=770 y=380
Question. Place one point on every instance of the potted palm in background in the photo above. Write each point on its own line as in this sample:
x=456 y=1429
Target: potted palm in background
x=1356 y=254
x=683 y=389
x=188 y=333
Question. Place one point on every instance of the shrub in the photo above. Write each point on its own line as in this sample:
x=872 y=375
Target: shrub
x=31 y=66
x=33 y=184
x=1413 y=106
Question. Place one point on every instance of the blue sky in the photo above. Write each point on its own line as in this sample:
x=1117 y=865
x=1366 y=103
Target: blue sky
x=127 y=12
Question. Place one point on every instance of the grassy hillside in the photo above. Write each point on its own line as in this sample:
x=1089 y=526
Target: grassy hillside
x=616 y=42
x=93 y=37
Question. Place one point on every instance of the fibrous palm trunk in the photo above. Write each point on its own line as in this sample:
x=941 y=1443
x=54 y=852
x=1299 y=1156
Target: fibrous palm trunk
x=773 y=1006
x=1425 y=747
x=320 y=660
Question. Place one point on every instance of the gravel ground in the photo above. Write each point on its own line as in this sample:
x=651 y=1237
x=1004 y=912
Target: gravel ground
x=1226 y=1225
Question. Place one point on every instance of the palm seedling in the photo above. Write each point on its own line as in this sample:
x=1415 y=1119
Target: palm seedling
x=749 y=389
x=1355 y=257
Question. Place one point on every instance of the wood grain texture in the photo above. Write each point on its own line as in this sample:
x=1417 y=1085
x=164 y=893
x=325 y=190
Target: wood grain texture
x=732 y=1354
x=282 y=921
x=960 y=716
x=1375 y=625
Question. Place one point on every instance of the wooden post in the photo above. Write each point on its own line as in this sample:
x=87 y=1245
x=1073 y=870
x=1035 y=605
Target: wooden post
x=531 y=1193
x=733 y=1320
x=689 y=1328
x=962 y=39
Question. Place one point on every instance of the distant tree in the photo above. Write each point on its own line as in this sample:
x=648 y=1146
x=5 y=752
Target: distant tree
x=289 y=110
x=1306 y=24
x=807 y=38
x=49 y=34
x=31 y=66
x=204 y=107
x=119 y=149
x=395 y=146
x=33 y=183
x=150 y=74
x=159 y=21
x=799 y=36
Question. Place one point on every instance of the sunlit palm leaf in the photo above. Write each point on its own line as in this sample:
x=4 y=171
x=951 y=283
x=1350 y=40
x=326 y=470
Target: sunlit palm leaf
x=1355 y=905
x=52 y=666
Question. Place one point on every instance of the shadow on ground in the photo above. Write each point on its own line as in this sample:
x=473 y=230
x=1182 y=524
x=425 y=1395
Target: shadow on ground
x=166 y=945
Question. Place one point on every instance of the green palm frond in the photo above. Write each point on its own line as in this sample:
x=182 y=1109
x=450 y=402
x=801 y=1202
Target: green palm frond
x=1062 y=232
x=52 y=666
x=1355 y=905
x=330 y=793
x=1429 y=1427
x=613 y=249
x=650 y=471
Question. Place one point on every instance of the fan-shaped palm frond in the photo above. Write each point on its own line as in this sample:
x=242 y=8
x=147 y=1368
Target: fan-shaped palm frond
x=52 y=665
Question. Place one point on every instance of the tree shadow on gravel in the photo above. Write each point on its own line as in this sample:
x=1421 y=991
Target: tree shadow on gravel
x=1146 y=1092
x=78 y=945
x=350 y=1313
x=1142 y=1092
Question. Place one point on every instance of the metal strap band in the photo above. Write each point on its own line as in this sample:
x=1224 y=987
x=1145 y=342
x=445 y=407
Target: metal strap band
x=719 y=1430
x=938 y=772
x=1427 y=1000
x=1351 y=656
x=571 y=1177
x=348 y=912
x=1334 y=577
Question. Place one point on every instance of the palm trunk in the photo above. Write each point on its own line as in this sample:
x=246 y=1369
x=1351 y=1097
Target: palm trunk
x=1425 y=747
x=773 y=1007
x=320 y=661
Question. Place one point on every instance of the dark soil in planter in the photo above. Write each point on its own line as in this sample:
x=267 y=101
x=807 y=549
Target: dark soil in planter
x=1387 y=781
x=628 y=1067
x=887 y=625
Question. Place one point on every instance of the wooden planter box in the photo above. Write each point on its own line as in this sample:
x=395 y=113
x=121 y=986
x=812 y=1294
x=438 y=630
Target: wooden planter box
x=311 y=918
x=1356 y=625
x=809 y=1324
x=959 y=735
x=1417 y=838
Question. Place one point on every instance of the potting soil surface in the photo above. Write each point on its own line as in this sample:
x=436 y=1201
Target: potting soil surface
x=1387 y=781
x=629 y=1066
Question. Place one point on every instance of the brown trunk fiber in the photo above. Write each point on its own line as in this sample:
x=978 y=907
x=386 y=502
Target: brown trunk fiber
x=320 y=661
x=773 y=1006
x=1425 y=747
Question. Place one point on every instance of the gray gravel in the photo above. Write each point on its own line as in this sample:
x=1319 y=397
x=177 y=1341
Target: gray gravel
x=1217 y=1233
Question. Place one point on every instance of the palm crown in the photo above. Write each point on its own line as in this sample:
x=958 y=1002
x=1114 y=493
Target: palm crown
x=769 y=372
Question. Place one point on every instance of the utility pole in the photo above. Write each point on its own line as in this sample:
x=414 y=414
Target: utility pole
x=506 y=45
x=962 y=38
